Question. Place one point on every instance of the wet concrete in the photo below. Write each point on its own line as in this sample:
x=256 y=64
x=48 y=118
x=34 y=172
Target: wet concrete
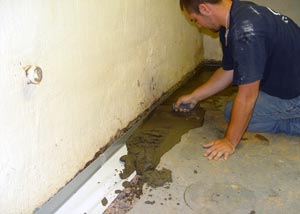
x=155 y=137
x=158 y=134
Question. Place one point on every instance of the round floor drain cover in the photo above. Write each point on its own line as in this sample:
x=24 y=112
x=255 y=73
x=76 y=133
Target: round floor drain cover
x=219 y=198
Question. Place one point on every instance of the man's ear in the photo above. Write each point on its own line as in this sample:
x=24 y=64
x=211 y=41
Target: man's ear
x=204 y=9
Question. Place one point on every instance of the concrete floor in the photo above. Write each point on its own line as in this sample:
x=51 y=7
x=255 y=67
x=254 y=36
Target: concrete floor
x=263 y=175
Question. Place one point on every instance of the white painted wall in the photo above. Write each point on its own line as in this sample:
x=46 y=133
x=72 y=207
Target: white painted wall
x=212 y=49
x=104 y=62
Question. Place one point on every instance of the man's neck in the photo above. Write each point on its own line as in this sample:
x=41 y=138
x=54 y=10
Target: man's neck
x=222 y=12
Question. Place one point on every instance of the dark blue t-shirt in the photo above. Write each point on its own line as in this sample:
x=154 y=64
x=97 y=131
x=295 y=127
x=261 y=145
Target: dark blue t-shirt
x=262 y=45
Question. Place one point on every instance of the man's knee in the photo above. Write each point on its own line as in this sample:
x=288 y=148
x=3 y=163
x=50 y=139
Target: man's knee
x=227 y=111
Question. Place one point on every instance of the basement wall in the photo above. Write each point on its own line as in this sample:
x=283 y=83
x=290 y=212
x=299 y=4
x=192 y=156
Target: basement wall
x=103 y=62
x=212 y=48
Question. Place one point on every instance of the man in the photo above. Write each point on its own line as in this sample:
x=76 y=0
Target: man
x=261 y=55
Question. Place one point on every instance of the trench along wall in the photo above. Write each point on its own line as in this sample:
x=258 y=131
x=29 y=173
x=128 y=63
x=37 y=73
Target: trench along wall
x=104 y=62
x=212 y=49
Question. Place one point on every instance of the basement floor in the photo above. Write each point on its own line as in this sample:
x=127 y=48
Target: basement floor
x=262 y=176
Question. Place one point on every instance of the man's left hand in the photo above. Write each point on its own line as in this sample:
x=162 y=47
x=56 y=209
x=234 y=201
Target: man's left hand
x=217 y=149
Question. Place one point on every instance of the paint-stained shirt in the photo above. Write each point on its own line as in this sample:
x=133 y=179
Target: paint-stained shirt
x=262 y=44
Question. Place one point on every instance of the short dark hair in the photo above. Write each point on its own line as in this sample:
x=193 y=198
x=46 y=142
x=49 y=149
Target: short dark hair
x=193 y=5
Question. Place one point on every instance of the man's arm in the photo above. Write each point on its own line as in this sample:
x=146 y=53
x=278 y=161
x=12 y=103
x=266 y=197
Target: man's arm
x=216 y=83
x=240 y=116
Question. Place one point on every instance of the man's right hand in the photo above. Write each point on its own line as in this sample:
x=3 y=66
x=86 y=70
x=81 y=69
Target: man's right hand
x=188 y=98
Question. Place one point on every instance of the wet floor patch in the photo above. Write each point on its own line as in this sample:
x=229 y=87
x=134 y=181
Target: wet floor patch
x=157 y=135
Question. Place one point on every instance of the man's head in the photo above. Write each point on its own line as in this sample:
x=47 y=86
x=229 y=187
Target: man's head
x=192 y=6
x=207 y=14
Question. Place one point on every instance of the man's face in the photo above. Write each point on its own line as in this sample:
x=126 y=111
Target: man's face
x=203 y=21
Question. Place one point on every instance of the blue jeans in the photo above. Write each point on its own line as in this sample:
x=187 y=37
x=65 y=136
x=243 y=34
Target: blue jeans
x=273 y=115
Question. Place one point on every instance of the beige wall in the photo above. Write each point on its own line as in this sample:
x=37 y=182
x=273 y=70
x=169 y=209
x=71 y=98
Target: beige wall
x=212 y=49
x=104 y=62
